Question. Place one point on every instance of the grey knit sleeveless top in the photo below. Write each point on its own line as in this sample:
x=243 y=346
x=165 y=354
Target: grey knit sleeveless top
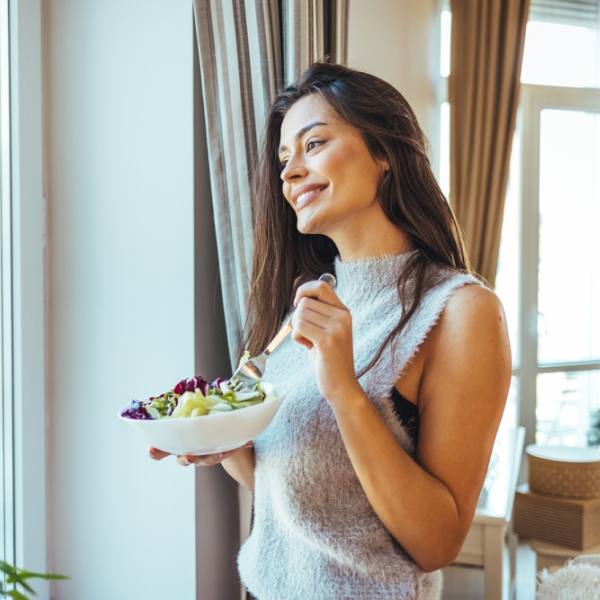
x=315 y=535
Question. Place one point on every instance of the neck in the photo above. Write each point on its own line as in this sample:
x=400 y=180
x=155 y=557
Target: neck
x=370 y=239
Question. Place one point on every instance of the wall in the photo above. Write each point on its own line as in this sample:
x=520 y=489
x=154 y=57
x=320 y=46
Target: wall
x=120 y=266
x=399 y=42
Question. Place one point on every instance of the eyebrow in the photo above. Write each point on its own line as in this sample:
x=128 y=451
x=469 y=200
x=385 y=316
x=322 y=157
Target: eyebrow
x=302 y=132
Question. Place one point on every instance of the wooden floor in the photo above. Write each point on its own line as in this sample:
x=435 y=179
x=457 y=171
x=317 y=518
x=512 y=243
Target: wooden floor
x=462 y=583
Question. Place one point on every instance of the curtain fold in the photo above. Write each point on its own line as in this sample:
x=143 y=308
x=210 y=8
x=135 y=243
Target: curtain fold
x=240 y=67
x=312 y=30
x=248 y=50
x=488 y=39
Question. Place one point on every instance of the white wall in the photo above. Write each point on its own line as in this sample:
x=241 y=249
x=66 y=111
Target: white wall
x=399 y=42
x=121 y=291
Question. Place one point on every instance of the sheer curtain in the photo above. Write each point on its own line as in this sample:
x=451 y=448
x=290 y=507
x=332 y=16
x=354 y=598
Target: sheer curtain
x=245 y=57
x=487 y=51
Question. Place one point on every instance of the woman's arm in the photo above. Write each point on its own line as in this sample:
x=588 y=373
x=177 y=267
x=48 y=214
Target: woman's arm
x=427 y=505
x=239 y=463
x=241 y=467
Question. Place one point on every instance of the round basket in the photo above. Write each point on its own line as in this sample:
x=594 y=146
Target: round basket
x=564 y=472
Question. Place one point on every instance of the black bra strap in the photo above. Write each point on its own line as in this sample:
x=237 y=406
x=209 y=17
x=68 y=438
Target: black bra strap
x=407 y=412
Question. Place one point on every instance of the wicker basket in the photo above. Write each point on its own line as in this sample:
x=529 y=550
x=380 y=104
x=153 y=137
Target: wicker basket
x=564 y=472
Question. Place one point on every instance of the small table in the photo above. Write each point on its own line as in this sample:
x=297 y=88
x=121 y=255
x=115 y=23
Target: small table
x=486 y=543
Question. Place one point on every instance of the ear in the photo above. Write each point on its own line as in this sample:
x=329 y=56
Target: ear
x=383 y=164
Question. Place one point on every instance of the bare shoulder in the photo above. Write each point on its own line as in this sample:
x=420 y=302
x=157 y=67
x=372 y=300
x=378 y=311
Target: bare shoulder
x=472 y=302
x=472 y=313
x=470 y=341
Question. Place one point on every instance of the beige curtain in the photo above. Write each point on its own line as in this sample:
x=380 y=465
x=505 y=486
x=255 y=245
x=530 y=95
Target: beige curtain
x=245 y=57
x=240 y=67
x=488 y=37
x=313 y=29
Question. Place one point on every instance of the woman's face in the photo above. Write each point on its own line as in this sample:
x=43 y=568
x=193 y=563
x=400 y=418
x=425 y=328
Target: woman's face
x=329 y=177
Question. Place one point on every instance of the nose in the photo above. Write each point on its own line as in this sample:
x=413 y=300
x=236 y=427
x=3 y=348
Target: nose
x=294 y=169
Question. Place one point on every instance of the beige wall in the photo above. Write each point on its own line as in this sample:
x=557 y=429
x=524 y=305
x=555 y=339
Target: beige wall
x=398 y=40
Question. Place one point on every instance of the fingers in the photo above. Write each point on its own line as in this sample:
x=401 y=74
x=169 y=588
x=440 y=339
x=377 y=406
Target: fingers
x=319 y=290
x=156 y=454
x=315 y=312
x=316 y=322
x=205 y=460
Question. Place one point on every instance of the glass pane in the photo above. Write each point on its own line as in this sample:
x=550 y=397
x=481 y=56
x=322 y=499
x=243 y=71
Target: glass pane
x=566 y=404
x=507 y=275
x=558 y=54
x=569 y=270
x=510 y=418
x=445 y=43
x=445 y=148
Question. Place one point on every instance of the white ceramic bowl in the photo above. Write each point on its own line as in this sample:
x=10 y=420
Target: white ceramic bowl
x=210 y=433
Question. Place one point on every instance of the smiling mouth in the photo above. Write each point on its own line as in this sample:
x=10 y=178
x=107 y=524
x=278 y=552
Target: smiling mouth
x=306 y=197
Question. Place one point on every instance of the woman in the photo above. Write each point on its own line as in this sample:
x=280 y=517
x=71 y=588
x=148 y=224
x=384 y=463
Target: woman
x=367 y=480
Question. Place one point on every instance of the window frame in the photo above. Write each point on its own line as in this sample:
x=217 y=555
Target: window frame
x=23 y=228
x=534 y=99
x=6 y=322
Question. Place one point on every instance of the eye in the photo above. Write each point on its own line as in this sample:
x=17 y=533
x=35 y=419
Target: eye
x=281 y=164
x=312 y=144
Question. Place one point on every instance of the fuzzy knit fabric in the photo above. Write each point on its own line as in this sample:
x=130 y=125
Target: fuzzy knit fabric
x=315 y=535
x=578 y=580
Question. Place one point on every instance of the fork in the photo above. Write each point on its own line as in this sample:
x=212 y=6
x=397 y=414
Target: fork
x=252 y=370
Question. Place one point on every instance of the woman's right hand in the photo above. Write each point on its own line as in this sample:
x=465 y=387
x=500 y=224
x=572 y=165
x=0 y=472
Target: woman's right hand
x=203 y=460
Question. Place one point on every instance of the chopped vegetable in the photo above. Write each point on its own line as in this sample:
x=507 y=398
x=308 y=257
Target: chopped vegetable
x=195 y=397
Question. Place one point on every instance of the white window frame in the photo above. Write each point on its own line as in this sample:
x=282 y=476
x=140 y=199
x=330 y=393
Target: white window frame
x=6 y=325
x=23 y=234
x=534 y=99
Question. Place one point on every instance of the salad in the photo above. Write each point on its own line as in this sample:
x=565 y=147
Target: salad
x=195 y=397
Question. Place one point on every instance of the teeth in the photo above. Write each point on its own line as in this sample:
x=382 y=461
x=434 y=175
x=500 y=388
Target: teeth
x=302 y=196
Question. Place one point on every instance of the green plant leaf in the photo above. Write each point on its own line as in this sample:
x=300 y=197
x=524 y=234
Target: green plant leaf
x=18 y=579
x=19 y=576
x=8 y=569
x=16 y=595
x=21 y=581
x=30 y=574
x=14 y=575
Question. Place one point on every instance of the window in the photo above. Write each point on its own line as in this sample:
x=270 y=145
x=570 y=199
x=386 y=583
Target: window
x=559 y=297
x=549 y=266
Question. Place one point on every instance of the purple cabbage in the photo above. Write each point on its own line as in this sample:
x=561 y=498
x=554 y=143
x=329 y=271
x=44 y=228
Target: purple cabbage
x=136 y=411
x=191 y=385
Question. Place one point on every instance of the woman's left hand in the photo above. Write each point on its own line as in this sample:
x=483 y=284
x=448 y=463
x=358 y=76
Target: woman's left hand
x=324 y=325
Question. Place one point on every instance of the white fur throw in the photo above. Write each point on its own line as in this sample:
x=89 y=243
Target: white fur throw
x=579 y=580
x=315 y=535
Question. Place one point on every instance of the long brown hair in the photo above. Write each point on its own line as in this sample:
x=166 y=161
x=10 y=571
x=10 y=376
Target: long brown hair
x=408 y=193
